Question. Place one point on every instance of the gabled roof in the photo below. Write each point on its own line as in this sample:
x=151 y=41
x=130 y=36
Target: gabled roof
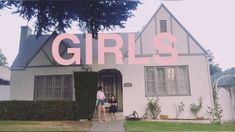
x=33 y=45
x=163 y=6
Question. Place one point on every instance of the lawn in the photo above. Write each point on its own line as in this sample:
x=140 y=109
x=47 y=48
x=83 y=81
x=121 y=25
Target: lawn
x=44 y=126
x=150 y=126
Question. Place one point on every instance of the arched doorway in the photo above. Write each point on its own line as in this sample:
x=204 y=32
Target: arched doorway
x=111 y=80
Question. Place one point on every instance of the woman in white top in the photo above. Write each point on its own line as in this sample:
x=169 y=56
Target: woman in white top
x=100 y=102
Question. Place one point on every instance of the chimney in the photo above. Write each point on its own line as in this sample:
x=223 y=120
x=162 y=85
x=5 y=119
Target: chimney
x=24 y=34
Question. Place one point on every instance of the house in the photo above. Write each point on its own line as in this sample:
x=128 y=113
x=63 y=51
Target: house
x=226 y=92
x=4 y=83
x=37 y=76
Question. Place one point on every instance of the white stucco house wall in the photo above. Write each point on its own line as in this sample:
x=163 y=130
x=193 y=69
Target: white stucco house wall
x=185 y=80
x=4 y=83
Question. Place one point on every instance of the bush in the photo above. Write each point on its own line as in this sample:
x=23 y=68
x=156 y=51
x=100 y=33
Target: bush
x=217 y=110
x=37 y=110
x=85 y=84
x=154 y=107
x=179 y=108
x=195 y=108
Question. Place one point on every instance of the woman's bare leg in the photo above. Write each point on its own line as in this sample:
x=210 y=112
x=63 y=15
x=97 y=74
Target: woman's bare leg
x=99 y=112
x=104 y=111
x=111 y=114
x=114 y=116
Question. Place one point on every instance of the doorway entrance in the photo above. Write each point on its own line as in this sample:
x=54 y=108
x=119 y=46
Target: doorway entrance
x=111 y=80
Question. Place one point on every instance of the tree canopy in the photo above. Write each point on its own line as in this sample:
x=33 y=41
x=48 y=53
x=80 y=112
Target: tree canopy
x=3 y=59
x=214 y=68
x=91 y=16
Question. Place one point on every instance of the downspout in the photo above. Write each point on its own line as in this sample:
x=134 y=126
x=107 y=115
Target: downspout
x=210 y=88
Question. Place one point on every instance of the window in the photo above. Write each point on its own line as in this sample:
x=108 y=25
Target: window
x=4 y=82
x=167 y=81
x=57 y=87
x=163 y=26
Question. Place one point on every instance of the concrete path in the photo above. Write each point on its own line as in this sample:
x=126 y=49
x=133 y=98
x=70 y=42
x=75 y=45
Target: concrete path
x=110 y=126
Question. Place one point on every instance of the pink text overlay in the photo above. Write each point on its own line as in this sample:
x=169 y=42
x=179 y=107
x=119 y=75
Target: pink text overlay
x=116 y=49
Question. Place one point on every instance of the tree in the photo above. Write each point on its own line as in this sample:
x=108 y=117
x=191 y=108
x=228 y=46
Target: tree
x=91 y=16
x=214 y=68
x=3 y=59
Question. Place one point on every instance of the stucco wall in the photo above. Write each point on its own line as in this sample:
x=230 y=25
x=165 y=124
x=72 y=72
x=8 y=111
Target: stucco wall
x=4 y=92
x=226 y=104
x=23 y=80
x=134 y=97
x=5 y=89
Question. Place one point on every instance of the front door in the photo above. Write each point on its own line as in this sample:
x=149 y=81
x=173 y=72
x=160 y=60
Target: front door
x=108 y=81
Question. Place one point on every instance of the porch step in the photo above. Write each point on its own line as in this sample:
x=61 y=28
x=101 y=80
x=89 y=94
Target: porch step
x=119 y=116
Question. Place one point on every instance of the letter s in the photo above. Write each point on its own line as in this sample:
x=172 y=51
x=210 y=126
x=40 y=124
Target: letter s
x=160 y=46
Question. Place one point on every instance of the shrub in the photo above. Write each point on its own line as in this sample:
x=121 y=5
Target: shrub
x=217 y=110
x=179 y=108
x=37 y=110
x=85 y=84
x=164 y=117
x=83 y=108
x=195 y=108
x=154 y=107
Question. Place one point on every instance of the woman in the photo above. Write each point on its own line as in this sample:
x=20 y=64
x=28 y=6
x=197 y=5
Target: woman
x=100 y=102
x=113 y=107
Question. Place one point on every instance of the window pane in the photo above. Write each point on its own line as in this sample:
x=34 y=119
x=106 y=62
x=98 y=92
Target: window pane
x=150 y=81
x=38 y=87
x=163 y=26
x=48 y=86
x=171 y=81
x=67 y=87
x=161 y=85
x=57 y=87
x=183 y=82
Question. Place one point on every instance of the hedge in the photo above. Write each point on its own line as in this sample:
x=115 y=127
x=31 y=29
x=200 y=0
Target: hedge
x=37 y=110
x=82 y=108
x=85 y=84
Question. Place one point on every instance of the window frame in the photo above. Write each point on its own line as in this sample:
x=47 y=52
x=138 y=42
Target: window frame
x=62 y=98
x=156 y=81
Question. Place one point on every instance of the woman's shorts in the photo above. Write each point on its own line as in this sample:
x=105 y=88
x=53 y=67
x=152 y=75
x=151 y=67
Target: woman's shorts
x=100 y=102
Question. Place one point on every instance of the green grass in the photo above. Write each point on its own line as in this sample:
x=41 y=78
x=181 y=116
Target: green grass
x=44 y=126
x=152 y=126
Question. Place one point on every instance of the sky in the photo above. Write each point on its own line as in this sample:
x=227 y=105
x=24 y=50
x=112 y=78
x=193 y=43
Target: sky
x=211 y=22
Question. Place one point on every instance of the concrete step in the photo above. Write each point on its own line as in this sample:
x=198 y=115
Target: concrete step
x=119 y=116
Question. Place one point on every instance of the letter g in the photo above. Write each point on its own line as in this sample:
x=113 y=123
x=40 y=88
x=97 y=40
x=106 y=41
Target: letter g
x=75 y=51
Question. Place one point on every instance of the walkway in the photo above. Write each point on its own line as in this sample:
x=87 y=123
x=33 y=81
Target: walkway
x=110 y=126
